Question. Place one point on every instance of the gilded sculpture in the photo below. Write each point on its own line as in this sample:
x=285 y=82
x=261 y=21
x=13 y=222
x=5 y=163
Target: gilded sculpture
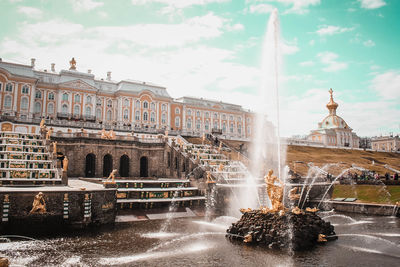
x=42 y=126
x=210 y=180
x=107 y=135
x=72 y=63
x=55 y=147
x=65 y=163
x=49 y=133
x=274 y=191
x=39 y=204
x=111 y=177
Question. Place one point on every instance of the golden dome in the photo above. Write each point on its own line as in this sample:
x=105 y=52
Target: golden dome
x=332 y=105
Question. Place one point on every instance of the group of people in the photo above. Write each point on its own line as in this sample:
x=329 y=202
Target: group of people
x=370 y=176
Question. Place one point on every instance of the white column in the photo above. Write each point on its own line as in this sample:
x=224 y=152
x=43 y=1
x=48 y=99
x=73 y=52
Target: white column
x=169 y=115
x=84 y=104
x=104 y=108
x=15 y=97
x=119 y=109
x=44 y=107
x=32 y=100
x=59 y=97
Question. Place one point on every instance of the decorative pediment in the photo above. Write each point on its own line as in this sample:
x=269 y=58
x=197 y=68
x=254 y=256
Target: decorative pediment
x=78 y=84
x=217 y=107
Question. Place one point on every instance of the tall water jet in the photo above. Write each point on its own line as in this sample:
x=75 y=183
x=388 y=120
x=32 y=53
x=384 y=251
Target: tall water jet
x=266 y=146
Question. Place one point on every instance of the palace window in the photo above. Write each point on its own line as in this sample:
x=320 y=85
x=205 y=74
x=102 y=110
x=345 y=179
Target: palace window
x=125 y=114
x=25 y=89
x=51 y=96
x=38 y=94
x=189 y=124
x=24 y=103
x=198 y=114
x=153 y=117
x=224 y=127
x=239 y=129
x=98 y=101
x=231 y=128
x=177 y=122
x=215 y=126
x=215 y=116
x=145 y=116
x=248 y=130
x=145 y=104
x=89 y=99
x=198 y=124
x=224 y=117
x=189 y=112
x=50 y=108
x=163 y=118
x=153 y=106
x=7 y=101
x=77 y=98
x=207 y=125
x=1 y=86
x=207 y=115
x=231 y=118
x=88 y=111
x=98 y=114
x=137 y=115
x=77 y=110
x=9 y=87
x=239 y=118
x=65 y=97
x=109 y=115
x=37 y=107
x=126 y=102
x=109 y=103
x=137 y=104
x=248 y=120
x=164 y=107
x=64 y=109
x=177 y=111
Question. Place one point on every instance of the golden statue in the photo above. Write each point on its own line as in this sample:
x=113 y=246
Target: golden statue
x=294 y=193
x=166 y=133
x=210 y=180
x=312 y=209
x=6 y=198
x=42 y=124
x=107 y=135
x=321 y=238
x=111 y=177
x=55 y=147
x=296 y=210
x=274 y=191
x=65 y=163
x=48 y=134
x=220 y=147
x=245 y=210
x=73 y=64
x=38 y=205
x=203 y=139
x=221 y=167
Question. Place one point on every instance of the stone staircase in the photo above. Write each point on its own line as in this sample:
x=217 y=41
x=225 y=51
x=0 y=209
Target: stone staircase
x=26 y=161
x=157 y=193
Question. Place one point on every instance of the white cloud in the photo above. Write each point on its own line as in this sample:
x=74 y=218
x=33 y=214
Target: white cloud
x=85 y=5
x=331 y=30
x=260 y=8
x=374 y=67
x=103 y=14
x=177 y=5
x=387 y=84
x=329 y=60
x=309 y=63
x=31 y=12
x=235 y=27
x=289 y=49
x=369 y=43
x=296 y=6
x=311 y=42
x=15 y=1
x=372 y=4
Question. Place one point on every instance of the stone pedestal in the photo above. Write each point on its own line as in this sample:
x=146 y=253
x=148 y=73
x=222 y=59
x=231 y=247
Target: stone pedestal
x=110 y=185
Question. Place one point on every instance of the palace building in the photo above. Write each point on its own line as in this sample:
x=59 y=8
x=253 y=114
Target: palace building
x=75 y=100
x=333 y=130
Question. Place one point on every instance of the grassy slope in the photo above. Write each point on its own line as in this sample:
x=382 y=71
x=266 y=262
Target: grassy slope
x=369 y=193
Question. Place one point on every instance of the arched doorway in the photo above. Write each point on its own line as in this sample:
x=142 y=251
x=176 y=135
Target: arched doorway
x=124 y=166
x=90 y=165
x=144 y=167
x=107 y=165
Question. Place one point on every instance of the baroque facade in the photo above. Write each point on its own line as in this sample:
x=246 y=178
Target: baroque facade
x=77 y=99
x=386 y=143
x=333 y=130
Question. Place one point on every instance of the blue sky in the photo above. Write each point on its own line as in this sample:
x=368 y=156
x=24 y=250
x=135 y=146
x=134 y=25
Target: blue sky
x=212 y=48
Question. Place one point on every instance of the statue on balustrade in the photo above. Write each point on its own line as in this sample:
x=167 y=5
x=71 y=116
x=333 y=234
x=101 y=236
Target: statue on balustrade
x=65 y=163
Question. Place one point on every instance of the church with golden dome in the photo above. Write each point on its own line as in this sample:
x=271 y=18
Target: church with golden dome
x=333 y=130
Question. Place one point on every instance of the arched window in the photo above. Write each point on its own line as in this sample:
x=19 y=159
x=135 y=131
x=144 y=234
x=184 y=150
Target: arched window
x=145 y=104
x=145 y=116
x=239 y=129
x=51 y=96
x=98 y=114
x=88 y=111
x=137 y=115
x=223 y=127
x=89 y=99
x=215 y=126
x=177 y=111
x=24 y=103
x=77 y=110
x=153 y=106
x=215 y=116
x=177 y=122
x=224 y=117
x=109 y=103
x=198 y=114
x=163 y=118
x=207 y=125
x=38 y=94
x=37 y=107
x=189 y=124
x=125 y=114
x=239 y=118
x=77 y=99
x=137 y=104
x=98 y=101
x=25 y=89
x=153 y=117
x=109 y=115
x=7 y=101
x=164 y=107
x=189 y=112
x=50 y=108
x=126 y=102
x=231 y=118
x=9 y=87
x=198 y=124
x=64 y=109
x=65 y=97
x=231 y=128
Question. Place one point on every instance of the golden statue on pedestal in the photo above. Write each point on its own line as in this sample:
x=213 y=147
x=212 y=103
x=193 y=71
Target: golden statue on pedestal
x=107 y=135
x=55 y=147
x=210 y=180
x=65 y=163
x=111 y=177
x=49 y=133
x=274 y=191
x=38 y=205
x=41 y=125
x=72 y=63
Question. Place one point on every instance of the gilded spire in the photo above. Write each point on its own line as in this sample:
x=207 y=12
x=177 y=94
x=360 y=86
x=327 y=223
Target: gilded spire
x=332 y=105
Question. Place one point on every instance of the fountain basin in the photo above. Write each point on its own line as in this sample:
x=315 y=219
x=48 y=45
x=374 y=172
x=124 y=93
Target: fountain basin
x=289 y=231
